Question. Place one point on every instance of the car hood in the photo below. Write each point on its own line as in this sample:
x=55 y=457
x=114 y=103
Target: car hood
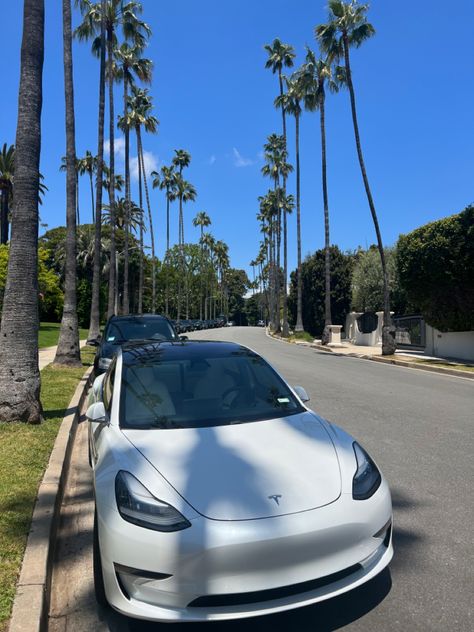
x=247 y=471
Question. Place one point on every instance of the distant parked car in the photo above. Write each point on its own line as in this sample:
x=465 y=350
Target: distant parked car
x=120 y=329
x=230 y=323
x=261 y=323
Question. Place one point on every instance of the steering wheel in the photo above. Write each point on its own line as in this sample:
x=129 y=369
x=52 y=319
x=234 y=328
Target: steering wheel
x=233 y=389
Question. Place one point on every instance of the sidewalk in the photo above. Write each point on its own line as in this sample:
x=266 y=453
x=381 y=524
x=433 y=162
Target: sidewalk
x=46 y=355
x=402 y=357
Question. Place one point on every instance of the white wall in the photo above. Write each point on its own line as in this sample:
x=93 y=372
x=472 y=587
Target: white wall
x=459 y=344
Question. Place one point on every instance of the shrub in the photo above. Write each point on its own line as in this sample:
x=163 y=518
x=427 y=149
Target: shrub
x=436 y=269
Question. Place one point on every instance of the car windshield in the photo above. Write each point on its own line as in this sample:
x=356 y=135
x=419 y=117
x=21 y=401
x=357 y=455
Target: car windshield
x=139 y=329
x=202 y=391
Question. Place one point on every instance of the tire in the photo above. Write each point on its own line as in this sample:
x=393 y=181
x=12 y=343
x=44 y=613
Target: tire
x=97 y=564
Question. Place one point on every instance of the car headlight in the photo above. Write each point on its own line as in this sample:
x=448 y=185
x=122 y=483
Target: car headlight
x=138 y=506
x=367 y=478
x=104 y=363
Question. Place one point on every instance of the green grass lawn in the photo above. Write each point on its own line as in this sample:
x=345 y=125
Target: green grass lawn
x=24 y=454
x=49 y=334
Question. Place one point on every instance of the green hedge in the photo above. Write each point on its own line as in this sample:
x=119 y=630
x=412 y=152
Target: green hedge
x=436 y=268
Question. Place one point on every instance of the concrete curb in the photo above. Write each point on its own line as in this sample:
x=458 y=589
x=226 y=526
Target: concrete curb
x=404 y=363
x=31 y=605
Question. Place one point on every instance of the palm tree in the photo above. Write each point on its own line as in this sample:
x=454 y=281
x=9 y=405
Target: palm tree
x=7 y=177
x=67 y=352
x=134 y=215
x=202 y=219
x=7 y=170
x=166 y=180
x=185 y=192
x=280 y=56
x=208 y=242
x=93 y=13
x=277 y=166
x=291 y=102
x=181 y=160
x=77 y=169
x=221 y=251
x=88 y=164
x=140 y=105
x=19 y=371
x=117 y=14
x=129 y=64
x=119 y=181
x=348 y=27
x=315 y=74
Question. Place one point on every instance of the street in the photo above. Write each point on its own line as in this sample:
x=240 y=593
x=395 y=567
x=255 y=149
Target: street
x=416 y=425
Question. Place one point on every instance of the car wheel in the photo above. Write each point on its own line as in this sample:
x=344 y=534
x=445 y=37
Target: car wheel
x=97 y=564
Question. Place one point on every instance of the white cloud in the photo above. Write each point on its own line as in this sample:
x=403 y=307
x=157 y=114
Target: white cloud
x=239 y=160
x=151 y=164
x=212 y=160
x=119 y=147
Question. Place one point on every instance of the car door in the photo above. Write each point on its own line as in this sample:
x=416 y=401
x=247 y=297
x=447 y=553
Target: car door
x=105 y=394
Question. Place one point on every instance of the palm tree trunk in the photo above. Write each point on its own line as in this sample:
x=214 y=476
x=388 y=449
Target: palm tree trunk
x=113 y=285
x=4 y=215
x=285 y=330
x=181 y=253
x=167 y=300
x=67 y=352
x=327 y=260
x=94 y=326
x=126 y=300
x=277 y=270
x=92 y=196
x=150 y=220
x=299 y=307
x=77 y=193
x=388 y=336
x=140 y=202
x=19 y=372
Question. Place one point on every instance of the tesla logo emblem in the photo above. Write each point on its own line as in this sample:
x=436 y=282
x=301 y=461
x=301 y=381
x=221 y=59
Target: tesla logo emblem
x=276 y=498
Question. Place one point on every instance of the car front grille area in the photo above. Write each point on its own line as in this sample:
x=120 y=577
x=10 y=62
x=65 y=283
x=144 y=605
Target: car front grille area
x=241 y=599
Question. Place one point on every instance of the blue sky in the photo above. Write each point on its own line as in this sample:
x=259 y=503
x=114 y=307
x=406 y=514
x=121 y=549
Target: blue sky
x=213 y=97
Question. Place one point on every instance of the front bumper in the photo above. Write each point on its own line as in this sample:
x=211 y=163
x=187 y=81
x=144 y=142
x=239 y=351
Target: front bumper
x=222 y=568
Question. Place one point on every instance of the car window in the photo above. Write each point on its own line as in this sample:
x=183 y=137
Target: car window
x=203 y=392
x=108 y=388
x=139 y=329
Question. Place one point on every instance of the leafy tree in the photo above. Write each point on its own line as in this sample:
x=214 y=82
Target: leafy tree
x=237 y=285
x=367 y=282
x=348 y=28
x=314 y=287
x=436 y=268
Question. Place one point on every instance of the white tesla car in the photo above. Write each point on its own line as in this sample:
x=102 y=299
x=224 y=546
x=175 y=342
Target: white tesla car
x=219 y=494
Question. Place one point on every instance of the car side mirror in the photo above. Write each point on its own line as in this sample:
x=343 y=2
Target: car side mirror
x=183 y=338
x=302 y=394
x=96 y=413
x=93 y=342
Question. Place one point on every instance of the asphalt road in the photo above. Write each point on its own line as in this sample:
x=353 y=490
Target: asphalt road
x=418 y=426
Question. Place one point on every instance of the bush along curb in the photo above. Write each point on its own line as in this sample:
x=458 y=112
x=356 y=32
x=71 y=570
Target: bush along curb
x=31 y=604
